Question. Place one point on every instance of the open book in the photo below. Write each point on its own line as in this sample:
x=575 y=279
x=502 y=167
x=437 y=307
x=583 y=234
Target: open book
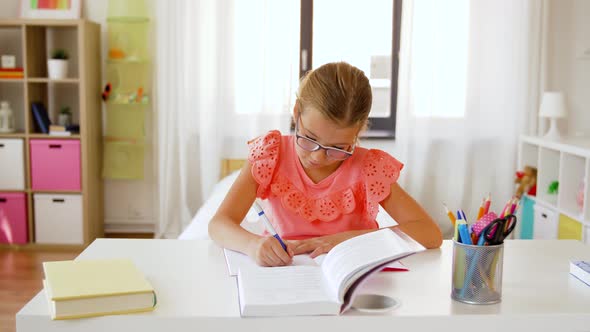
x=236 y=260
x=327 y=289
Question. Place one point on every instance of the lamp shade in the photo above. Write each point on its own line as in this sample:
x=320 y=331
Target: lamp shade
x=553 y=105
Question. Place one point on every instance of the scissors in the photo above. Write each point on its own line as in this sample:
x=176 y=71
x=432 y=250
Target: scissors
x=497 y=230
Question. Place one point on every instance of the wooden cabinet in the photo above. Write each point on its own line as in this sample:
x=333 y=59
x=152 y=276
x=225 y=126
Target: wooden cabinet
x=32 y=42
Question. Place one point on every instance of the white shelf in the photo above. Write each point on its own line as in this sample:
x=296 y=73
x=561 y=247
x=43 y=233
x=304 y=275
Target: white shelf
x=566 y=161
x=575 y=145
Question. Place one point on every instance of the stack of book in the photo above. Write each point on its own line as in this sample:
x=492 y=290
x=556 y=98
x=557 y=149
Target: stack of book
x=55 y=130
x=12 y=72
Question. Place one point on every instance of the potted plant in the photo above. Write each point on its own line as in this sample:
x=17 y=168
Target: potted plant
x=57 y=66
x=65 y=117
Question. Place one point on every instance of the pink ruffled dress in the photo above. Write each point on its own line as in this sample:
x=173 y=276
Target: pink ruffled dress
x=346 y=200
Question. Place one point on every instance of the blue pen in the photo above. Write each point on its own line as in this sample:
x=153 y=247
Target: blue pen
x=268 y=225
x=464 y=232
x=463 y=214
x=457 y=223
x=481 y=240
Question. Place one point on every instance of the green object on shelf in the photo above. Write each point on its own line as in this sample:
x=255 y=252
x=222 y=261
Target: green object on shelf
x=59 y=54
x=553 y=188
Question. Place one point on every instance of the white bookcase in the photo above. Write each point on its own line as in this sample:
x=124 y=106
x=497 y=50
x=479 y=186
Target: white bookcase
x=568 y=162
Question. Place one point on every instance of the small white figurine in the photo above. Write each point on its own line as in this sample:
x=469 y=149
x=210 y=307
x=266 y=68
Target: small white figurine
x=6 y=118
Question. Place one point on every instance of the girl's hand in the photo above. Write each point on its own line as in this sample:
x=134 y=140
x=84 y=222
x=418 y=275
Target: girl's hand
x=320 y=245
x=267 y=251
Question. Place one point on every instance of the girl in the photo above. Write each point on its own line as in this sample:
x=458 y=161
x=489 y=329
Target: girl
x=322 y=188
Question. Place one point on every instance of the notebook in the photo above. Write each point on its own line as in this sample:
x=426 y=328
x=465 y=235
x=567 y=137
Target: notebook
x=327 y=289
x=85 y=288
x=581 y=270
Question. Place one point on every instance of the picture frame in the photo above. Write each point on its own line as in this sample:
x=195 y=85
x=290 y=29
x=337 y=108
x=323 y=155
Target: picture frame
x=50 y=9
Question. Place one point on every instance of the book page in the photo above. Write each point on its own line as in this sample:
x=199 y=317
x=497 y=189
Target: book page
x=281 y=285
x=391 y=267
x=317 y=290
x=350 y=259
x=285 y=291
x=236 y=260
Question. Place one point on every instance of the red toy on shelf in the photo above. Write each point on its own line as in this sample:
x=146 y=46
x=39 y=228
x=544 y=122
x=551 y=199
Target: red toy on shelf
x=527 y=182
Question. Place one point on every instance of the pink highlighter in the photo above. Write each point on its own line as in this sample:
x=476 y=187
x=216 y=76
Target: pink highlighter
x=487 y=218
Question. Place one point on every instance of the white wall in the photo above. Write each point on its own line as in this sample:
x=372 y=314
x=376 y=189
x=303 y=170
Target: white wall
x=129 y=205
x=9 y=8
x=568 y=37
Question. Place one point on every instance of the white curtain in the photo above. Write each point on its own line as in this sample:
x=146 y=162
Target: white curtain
x=469 y=73
x=226 y=72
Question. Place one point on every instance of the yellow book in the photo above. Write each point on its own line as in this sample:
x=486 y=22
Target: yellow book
x=11 y=75
x=86 y=288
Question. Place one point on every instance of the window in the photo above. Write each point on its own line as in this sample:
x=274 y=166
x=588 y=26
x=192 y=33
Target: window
x=440 y=36
x=364 y=34
x=266 y=56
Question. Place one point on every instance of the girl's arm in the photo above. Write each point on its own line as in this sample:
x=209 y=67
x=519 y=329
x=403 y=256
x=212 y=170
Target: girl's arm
x=410 y=216
x=412 y=219
x=225 y=229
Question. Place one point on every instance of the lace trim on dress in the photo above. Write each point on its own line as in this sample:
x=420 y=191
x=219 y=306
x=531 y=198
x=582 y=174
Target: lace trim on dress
x=327 y=208
x=263 y=156
x=380 y=171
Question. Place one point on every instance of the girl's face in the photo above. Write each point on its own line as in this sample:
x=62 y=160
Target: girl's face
x=314 y=126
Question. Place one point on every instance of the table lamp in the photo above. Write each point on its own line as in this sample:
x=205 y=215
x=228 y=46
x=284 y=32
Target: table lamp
x=553 y=107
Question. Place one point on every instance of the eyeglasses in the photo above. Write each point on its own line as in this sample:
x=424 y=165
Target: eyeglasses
x=311 y=145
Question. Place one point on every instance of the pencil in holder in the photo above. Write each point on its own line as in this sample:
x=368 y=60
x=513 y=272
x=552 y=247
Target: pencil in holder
x=477 y=273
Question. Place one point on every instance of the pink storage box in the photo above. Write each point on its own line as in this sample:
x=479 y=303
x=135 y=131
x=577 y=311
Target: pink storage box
x=55 y=164
x=13 y=218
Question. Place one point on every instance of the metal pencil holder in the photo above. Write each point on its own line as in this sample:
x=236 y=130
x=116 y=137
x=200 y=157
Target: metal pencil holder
x=477 y=273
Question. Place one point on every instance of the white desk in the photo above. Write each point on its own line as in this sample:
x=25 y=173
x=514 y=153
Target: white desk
x=196 y=294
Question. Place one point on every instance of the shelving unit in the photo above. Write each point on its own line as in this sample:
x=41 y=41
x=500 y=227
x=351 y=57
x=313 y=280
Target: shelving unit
x=32 y=41
x=568 y=162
